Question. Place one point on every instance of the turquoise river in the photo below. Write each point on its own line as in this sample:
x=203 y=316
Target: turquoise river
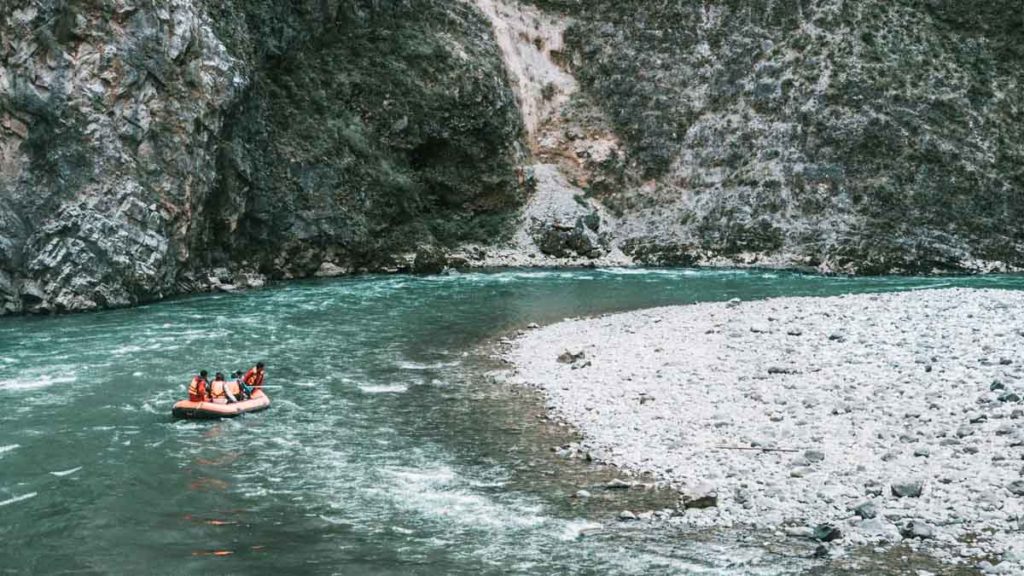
x=388 y=448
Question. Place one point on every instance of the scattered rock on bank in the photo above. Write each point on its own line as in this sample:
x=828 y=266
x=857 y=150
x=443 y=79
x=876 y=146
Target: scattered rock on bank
x=867 y=510
x=330 y=270
x=881 y=419
x=700 y=496
x=907 y=489
x=826 y=533
x=917 y=529
x=571 y=356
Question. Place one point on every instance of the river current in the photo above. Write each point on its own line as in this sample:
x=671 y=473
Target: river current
x=387 y=449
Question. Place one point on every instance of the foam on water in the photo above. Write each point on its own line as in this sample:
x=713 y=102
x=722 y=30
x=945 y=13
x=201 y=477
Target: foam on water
x=126 y=349
x=410 y=365
x=18 y=498
x=357 y=458
x=576 y=528
x=442 y=493
x=34 y=382
x=384 y=389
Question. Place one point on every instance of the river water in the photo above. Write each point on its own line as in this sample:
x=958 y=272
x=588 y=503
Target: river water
x=386 y=451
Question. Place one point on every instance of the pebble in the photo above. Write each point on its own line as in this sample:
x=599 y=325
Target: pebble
x=618 y=484
x=800 y=471
x=1016 y=487
x=873 y=488
x=799 y=532
x=865 y=401
x=867 y=510
x=826 y=533
x=571 y=356
x=700 y=496
x=814 y=455
x=917 y=529
x=907 y=489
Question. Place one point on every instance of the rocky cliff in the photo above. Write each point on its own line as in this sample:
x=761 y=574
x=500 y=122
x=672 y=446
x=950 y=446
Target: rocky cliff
x=868 y=137
x=157 y=147
x=149 y=147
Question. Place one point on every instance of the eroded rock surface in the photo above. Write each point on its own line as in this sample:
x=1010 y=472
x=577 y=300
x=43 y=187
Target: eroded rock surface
x=144 y=144
x=870 y=137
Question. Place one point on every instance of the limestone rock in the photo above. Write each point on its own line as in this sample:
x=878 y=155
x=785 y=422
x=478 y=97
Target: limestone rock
x=430 y=260
x=329 y=270
x=826 y=533
x=700 y=496
x=907 y=489
x=571 y=356
x=867 y=510
x=917 y=529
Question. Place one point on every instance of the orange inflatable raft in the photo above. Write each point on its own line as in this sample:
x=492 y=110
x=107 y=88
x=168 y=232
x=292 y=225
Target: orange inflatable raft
x=206 y=410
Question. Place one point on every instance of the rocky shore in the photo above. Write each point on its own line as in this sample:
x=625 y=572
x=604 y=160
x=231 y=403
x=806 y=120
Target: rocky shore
x=857 y=421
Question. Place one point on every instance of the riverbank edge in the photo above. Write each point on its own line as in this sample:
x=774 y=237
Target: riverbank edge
x=484 y=260
x=834 y=550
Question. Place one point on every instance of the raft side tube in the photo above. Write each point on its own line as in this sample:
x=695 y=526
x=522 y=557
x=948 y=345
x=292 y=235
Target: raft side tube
x=214 y=410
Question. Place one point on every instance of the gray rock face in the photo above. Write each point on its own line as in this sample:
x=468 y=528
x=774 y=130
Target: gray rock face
x=141 y=144
x=781 y=130
x=429 y=260
x=562 y=241
x=106 y=138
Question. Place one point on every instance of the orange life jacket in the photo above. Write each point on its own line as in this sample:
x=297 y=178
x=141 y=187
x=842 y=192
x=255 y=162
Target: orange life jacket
x=253 y=378
x=234 y=388
x=197 y=389
x=217 y=389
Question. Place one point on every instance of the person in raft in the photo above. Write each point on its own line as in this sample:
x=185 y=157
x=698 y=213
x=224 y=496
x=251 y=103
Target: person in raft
x=220 y=391
x=199 y=388
x=254 y=377
x=246 y=391
x=234 y=390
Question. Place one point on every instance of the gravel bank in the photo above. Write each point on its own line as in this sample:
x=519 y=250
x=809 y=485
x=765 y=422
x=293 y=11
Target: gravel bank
x=892 y=417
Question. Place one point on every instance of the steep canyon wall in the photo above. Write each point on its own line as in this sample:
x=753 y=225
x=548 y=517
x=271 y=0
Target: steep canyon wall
x=150 y=148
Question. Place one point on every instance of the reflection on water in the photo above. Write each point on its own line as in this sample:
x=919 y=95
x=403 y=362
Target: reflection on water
x=386 y=450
